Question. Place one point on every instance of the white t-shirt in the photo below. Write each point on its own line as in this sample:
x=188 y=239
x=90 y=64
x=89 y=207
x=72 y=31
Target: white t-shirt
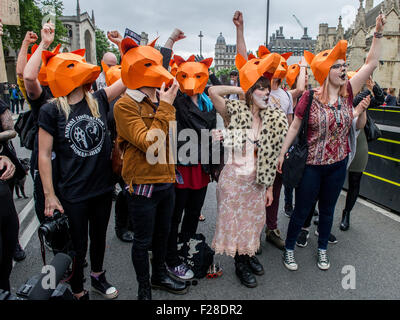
x=283 y=98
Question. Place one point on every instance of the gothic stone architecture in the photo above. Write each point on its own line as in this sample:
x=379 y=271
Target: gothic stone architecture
x=81 y=33
x=225 y=54
x=360 y=35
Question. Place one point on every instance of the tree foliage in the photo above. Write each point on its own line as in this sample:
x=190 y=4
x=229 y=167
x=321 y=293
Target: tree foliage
x=223 y=74
x=31 y=16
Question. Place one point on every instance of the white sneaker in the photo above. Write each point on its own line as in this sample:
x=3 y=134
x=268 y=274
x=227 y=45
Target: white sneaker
x=323 y=261
x=289 y=261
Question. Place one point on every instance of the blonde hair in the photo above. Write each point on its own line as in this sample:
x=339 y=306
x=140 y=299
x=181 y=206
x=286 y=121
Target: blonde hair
x=322 y=92
x=63 y=105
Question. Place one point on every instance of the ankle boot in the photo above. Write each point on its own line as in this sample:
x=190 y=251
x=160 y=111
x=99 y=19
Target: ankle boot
x=244 y=274
x=345 y=223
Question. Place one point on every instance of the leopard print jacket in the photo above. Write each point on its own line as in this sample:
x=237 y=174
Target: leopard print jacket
x=273 y=132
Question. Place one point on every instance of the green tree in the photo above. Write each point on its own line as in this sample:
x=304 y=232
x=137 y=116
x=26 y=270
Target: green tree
x=31 y=17
x=103 y=45
x=223 y=74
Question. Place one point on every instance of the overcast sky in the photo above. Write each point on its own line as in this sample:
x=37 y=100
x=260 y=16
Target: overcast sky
x=157 y=17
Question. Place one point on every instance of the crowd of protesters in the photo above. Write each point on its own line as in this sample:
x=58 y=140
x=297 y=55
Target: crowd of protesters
x=88 y=120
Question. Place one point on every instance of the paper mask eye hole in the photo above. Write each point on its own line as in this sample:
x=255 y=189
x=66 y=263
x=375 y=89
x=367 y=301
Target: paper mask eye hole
x=257 y=62
x=71 y=66
x=184 y=76
x=198 y=76
x=325 y=54
x=148 y=65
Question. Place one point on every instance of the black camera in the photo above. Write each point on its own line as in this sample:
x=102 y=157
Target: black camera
x=55 y=231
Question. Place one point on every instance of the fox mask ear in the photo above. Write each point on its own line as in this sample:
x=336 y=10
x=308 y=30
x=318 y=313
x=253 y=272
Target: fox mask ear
x=309 y=56
x=251 y=56
x=287 y=55
x=128 y=44
x=208 y=62
x=178 y=60
x=105 y=66
x=262 y=51
x=46 y=56
x=240 y=61
x=153 y=43
x=79 y=52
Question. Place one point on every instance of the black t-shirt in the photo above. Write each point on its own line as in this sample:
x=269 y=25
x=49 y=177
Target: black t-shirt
x=36 y=104
x=83 y=149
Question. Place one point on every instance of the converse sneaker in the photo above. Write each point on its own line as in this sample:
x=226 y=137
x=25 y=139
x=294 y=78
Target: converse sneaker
x=289 y=261
x=182 y=272
x=332 y=239
x=101 y=286
x=323 y=261
x=302 y=238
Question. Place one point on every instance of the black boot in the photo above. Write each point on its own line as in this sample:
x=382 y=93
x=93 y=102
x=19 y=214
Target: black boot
x=244 y=273
x=255 y=266
x=19 y=253
x=345 y=224
x=144 y=291
x=163 y=281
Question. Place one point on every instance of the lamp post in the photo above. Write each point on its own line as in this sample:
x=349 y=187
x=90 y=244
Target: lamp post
x=201 y=36
x=267 y=23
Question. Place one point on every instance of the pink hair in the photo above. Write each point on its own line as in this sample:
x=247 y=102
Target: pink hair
x=322 y=92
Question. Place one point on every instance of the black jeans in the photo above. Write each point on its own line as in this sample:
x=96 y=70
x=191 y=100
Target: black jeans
x=190 y=201
x=354 y=189
x=94 y=214
x=8 y=234
x=151 y=221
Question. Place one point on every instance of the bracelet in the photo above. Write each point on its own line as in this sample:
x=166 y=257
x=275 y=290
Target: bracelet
x=378 y=35
x=171 y=39
x=303 y=66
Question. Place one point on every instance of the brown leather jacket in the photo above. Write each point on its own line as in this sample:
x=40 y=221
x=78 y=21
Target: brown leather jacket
x=140 y=128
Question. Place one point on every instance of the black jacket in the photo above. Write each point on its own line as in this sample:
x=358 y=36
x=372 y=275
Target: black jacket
x=376 y=100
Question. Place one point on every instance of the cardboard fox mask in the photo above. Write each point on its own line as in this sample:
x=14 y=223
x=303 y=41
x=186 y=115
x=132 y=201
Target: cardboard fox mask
x=292 y=74
x=68 y=71
x=192 y=76
x=255 y=68
x=42 y=76
x=112 y=74
x=174 y=67
x=281 y=71
x=142 y=66
x=323 y=61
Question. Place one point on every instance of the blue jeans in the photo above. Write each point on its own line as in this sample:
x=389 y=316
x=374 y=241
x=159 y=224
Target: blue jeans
x=325 y=183
x=288 y=196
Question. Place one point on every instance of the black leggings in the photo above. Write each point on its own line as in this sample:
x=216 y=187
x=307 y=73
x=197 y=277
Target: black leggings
x=8 y=234
x=95 y=214
x=190 y=201
x=354 y=190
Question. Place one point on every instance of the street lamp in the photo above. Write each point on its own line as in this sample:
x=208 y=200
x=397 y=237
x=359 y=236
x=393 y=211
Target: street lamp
x=267 y=22
x=200 y=36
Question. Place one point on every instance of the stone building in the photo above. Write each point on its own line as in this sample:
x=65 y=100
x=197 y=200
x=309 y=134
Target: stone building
x=360 y=36
x=225 y=54
x=81 y=33
x=279 y=44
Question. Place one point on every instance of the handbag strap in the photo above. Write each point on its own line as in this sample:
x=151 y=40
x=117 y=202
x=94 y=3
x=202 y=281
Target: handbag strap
x=304 y=123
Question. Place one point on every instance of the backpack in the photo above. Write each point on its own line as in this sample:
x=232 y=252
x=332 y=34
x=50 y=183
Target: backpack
x=197 y=255
x=26 y=129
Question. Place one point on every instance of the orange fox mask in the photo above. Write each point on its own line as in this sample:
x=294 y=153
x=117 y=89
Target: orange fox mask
x=68 y=71
x=112 y=74
x=174 y=67
x=42 y=76
x=323 y=61
x=255 y=68
x=192 y=76
x=142 y=66
x=282 y=69
x=292 y=74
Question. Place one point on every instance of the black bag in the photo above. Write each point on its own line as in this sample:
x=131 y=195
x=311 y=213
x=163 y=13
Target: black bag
x=197 y=255
x=26 y=129
x=371 y=130
x=296 y=157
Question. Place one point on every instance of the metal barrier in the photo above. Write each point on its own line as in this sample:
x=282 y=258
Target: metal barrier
x=381 y=180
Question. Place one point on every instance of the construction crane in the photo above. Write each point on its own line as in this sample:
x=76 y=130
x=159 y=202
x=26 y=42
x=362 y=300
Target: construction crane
x=298 y=21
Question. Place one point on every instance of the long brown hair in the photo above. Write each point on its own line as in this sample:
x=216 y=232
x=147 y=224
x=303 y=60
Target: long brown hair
x=322 y=92
x=261 y=83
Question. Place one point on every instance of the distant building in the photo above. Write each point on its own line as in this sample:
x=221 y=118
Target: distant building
x=225 y=54
x=81 y=33
x=279 y=44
